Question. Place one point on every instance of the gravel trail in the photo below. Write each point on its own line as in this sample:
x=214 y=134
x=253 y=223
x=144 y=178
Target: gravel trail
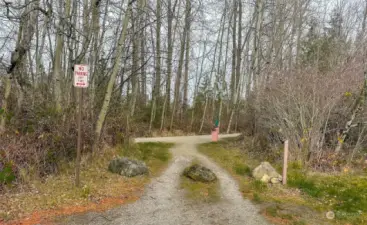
x=163 y=202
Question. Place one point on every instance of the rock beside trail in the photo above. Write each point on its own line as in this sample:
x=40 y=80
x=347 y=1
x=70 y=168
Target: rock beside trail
x=266 y=173
x=199 y=173
x=128 y=167
x=275 y=180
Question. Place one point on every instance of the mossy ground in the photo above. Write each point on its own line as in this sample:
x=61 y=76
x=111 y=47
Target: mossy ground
x=306 y=198
x=200 y=192
x=43 y=199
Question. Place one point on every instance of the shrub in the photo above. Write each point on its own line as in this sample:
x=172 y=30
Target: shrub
x=242 y=169
x=308 y=108
x=7 y=172
x=257 y=198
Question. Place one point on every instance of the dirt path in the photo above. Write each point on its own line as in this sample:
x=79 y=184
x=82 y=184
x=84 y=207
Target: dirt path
x=163 y=202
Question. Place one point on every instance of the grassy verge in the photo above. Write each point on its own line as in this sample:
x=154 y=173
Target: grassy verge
x=199 y=191
x=344 y=194
x=42 y=200
x=307 y=197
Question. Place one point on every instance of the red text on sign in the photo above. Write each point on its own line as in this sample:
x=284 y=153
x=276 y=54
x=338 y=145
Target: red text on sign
x=81 y=73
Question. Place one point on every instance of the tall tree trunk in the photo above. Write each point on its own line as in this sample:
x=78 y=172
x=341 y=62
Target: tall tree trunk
x=225 y=88
x=142 y=60
x=136 y=51
x=197 y=83
x=111 y=82
x=236 y=104
x=237 y=71
x=157 y=82
x=293 y=33
x=219 y=73
x=134 y=74
x=299 y=34
x=39 y=54
x=167 y=101
x=95 y=55
x=239 y=44
x=257 y=40
x=278 y=48
x=186 y=75
x=210 y=83
x=4 y=109
x=57 y=73
x=180 y=63
x=234 y=51
x=23 y=44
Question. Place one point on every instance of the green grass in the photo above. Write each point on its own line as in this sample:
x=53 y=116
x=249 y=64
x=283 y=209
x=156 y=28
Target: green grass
x=346 y=195
x=259 y=186
x=275 y=211
x=152 y=153
x=257 y=198
x=199 y=191
x=242 y=169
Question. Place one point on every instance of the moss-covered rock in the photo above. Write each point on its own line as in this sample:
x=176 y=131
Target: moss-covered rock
x=266 y=173
x=128 y=167
x=200 y=173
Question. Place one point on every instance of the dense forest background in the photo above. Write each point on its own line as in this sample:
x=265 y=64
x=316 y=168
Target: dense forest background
x=272 y=69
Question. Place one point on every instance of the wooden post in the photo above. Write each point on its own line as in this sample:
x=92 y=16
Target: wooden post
x=81 y=73
x=285 y=164
x=79 y=145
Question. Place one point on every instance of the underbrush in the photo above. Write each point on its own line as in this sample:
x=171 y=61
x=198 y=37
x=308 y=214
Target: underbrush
x=41 y=141
x=56 y=195
x=305 y=199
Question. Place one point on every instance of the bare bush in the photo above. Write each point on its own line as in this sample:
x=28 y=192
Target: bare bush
x=308 y=107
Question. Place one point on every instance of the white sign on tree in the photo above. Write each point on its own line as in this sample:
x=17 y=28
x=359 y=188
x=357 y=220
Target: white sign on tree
x=81 y=73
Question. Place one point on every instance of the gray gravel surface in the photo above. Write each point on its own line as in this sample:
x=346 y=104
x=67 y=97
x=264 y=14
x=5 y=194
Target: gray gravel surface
x=163 y=202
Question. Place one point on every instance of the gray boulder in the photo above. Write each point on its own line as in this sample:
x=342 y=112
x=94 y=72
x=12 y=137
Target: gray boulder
x=199 y=173
x=266 y=173
x=128 y=167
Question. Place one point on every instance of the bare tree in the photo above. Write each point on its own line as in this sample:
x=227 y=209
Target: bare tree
x=107 y=98
x=180 y=63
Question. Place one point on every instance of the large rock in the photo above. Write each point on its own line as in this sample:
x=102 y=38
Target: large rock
x=265 y=172
x=128 y=167
x=200 y=173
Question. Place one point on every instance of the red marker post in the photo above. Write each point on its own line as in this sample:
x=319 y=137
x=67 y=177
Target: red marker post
x=215 y=132
x=81 y=73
